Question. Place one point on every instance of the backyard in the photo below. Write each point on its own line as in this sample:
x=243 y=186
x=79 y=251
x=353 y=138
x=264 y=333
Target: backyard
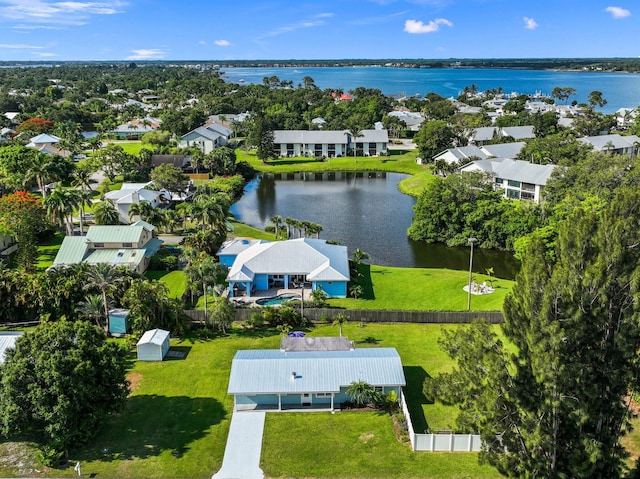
x=177 y=418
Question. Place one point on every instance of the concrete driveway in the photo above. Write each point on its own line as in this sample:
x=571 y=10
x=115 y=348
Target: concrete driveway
x=244 y=445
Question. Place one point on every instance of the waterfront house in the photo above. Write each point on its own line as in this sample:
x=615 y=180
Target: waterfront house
x=614 y=144
x=262 y=265
x=206 y=138
x=518 y=179
x=464 y=154
x=329 y=143
x=131 y=246
x=282 y=379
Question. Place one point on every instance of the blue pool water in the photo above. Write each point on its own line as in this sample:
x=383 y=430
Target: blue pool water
x=276 y=300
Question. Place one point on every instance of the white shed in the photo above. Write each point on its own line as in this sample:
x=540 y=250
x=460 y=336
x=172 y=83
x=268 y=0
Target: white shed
x=8 y=341
x=153 y=345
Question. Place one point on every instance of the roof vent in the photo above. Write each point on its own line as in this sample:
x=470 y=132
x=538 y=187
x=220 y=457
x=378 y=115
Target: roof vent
x=293 y=375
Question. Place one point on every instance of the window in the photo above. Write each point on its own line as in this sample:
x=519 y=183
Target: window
x=527 y=196
x=515 y=184
x=513 y=194
x=528 y=187
x=127 y=245
x=323 y=395
x=499 y=181
x=379 y=389
x=98 y=245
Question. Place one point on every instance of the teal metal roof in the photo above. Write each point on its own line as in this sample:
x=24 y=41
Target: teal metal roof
x=152 y=246
x=148 y=226
x=115 y=234
x=271 y=371
x=72 y=250
x=116 y=257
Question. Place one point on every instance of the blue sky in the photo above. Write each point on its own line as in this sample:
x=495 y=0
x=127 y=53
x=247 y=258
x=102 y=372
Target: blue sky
x=310 y=29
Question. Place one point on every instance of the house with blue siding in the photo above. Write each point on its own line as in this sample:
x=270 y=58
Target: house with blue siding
x=263 y=265
x=281 y=380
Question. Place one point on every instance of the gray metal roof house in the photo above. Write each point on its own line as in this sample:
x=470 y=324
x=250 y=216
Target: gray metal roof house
x=280 y=379
x=329 y=143
x=264 y=265
x=519 y=179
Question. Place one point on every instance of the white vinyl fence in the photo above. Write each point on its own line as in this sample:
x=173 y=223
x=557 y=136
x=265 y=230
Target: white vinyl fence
x=440 y=442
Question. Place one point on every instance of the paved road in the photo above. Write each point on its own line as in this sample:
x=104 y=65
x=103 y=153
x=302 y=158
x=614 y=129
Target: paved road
x=244 y=445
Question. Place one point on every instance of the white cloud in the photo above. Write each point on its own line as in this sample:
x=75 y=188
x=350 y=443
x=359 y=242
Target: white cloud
x=222 y=43
x=45 y=54
x=418 y=27
x=375 y=20
x=202 y=42
x=530 y=23
x=60 y=13
x=618 y=12
x=19 y=46
x=318 y=20
x=147 y=54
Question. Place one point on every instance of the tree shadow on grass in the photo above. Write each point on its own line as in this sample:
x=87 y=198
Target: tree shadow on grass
x=364 y=271
x=415 y=376
x=151 y=424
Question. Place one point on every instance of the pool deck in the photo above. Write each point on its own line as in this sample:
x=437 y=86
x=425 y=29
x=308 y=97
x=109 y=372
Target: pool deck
x=270 y=293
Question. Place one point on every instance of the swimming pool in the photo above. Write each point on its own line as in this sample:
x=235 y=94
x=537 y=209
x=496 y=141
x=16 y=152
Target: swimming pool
x=276 y=300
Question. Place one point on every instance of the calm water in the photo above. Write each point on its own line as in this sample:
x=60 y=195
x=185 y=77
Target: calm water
x=619 y=89
x=359 y=210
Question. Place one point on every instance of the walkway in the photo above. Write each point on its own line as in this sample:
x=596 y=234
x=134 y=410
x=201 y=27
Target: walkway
x=244 y=445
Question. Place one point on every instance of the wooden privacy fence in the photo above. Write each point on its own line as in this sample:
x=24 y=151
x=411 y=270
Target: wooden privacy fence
x=376 y=316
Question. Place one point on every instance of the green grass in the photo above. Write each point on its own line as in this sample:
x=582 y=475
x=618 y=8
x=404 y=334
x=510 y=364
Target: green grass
x=176 y=420
x=47 y=252
x=423 y=289
x=175 y=281
x=242 y=230
x=131 y=147
x=348 y=445
x=405 y=162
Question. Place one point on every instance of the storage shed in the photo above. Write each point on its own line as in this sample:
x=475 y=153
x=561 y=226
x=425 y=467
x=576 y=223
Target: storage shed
x=153 y=345
x=8 y=341
x=118 y=322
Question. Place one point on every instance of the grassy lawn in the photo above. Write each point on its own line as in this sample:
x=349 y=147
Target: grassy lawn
x=131 y=147
x=49 y=251
x=347 y=445
x=241 y=230
x=423 y=289
x=176 y=420
x=175 y=281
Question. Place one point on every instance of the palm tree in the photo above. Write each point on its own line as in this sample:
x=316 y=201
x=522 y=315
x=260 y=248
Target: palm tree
x=277 y=222
x=60 y=205
x=352 y=134
x=82 y=178
x=146 y=212
x=361 y=393
x=103 y=277
x=171 y=220
x=608 y=146
x=84 y=199
x=339 y=320
x=183 y=209
x=289 y=221
x=92 y=308
x=42 y=169
x=106 y=213
x=359 y=255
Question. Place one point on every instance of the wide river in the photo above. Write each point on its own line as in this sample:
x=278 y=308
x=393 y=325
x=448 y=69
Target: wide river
x=619 y=89
x=359 y=210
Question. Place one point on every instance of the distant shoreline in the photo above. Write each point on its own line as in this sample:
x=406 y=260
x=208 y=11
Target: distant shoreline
x=557 y=64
